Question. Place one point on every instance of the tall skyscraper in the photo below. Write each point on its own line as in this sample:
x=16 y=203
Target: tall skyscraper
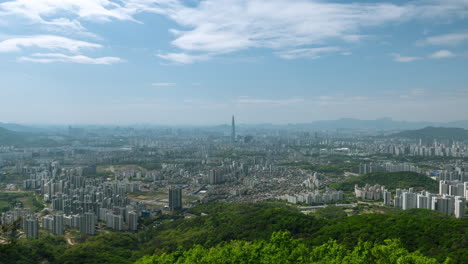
x=175 y=199
x=233 y=130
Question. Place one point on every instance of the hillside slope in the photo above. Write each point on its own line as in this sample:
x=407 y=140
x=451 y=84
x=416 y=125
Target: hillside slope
x=391 y=180
x=20 y=139
x=434 y=133
x=431 y=233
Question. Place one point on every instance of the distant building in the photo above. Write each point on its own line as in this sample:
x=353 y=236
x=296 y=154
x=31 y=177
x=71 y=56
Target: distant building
x=58 y=225
x=132 y=221
x=31 y=226
x=369 y=192
x=54 y=223
x=459 y=207
x=87 y=223
x=387 y=198
x=175 y=199
x=233 y=130
x=409 y=200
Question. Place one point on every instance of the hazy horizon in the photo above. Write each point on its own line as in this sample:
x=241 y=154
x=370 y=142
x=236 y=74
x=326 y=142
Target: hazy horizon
x=239 y=122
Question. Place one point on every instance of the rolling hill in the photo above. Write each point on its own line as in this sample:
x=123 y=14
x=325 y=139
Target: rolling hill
x=391 y=180
x=20 y=139
x=440 y=133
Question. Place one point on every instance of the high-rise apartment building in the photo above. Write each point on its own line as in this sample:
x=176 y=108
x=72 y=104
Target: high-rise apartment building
x=132 y=221
x=175 y=199
x=31 y=226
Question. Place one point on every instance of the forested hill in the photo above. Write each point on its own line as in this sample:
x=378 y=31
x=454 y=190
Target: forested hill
x=228 y=232
x=430 y=133
x=23 y=139
x=10 y=137
x=391 y=180
x=282 y=248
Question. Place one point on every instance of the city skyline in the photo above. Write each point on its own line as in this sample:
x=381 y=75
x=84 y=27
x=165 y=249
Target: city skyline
x=196 y=62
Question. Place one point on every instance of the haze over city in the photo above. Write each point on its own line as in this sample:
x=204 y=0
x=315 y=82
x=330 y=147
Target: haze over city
x=198 y=62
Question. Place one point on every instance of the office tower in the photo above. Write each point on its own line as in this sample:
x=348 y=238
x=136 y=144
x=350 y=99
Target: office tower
x=233 y=130
x=132 y=221
x=31 y=227
x=175 y=198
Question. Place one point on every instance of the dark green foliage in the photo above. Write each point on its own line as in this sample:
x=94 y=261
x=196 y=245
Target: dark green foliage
x=33 y=250
x=106 y=248
x=330 y=212
x=225 y=222
x=282 y=248
x=391 y=180
x=9 y=200
x=429 y=232
x=432 y=234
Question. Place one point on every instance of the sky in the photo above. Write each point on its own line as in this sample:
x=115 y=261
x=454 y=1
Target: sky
x=196 y=62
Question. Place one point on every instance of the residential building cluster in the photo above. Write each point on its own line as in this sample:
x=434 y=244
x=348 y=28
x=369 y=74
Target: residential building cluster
x=388 y=167
x=370 y=192
x=450 y=200
x=316 y=197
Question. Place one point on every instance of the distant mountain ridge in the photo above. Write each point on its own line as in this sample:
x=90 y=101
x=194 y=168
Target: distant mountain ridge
x=435 y=133
x=23 y=139
x=360 y=124
x=21 y=128
x=10 y=137
x=343 y=123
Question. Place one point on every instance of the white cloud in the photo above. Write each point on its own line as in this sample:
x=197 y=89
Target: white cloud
x=247 y=100
x=163 y=84
x=183 y=58
x=442 y=54
x=311 y=53
x=49 y=42
x=399 y=58
x=58 y=57
x=445 y=40
x=65 y=13
x=213 y=27
x=291 y=25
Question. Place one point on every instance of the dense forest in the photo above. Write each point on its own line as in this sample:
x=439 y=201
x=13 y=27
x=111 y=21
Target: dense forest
x=282 y=248
x=218 y=231
x=391 y=180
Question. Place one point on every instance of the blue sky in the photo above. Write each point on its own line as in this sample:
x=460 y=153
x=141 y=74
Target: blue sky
x=199 y=62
